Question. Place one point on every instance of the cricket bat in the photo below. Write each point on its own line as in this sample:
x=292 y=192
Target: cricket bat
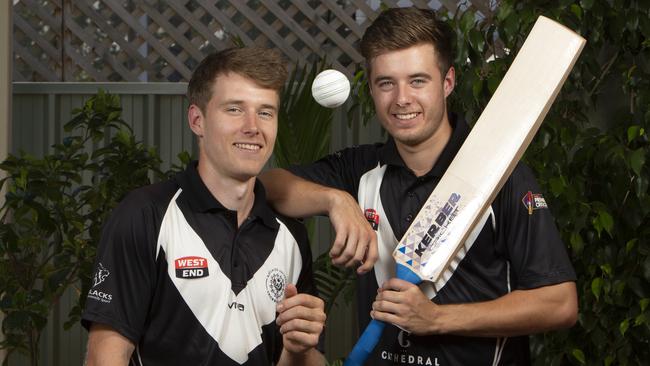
x=484 y=162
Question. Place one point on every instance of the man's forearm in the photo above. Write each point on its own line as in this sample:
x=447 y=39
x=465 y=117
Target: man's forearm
x=517 y=313
x=297 y=197
x=355 y=244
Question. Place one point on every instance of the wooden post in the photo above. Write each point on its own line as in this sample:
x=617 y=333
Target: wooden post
x=6 y=38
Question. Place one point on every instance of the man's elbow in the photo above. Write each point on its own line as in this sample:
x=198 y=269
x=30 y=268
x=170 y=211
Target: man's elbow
x=567 y=312
x=569 y=318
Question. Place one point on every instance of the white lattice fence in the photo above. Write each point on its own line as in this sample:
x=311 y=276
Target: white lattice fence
x=157 y=40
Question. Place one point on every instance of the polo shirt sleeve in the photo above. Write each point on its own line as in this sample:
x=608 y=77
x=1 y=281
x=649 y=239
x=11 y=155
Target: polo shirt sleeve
x=341 y=169
x=527 y=233
x=124 y=271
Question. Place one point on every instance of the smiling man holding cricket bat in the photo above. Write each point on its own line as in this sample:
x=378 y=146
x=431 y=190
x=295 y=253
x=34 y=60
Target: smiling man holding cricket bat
x=508 y=277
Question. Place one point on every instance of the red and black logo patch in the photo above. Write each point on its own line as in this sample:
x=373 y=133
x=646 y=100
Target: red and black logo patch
x=191 y=267
x=372 y=217
x=533 y=201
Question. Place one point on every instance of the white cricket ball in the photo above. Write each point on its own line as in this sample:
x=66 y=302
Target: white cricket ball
x=331 y=88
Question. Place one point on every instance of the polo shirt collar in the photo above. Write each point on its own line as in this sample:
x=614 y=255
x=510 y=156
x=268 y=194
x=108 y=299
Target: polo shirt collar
x=261 y=208
x=388 y=154
x=201 y=199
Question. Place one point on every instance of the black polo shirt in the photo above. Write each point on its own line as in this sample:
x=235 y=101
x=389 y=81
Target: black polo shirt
x=518 y=247
x=176 y=276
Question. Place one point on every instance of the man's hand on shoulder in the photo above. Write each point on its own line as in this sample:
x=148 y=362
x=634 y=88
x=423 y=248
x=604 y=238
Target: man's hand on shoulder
x=356 y=242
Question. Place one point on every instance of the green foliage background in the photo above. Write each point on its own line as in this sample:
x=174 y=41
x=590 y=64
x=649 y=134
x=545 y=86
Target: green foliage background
x=53 y=213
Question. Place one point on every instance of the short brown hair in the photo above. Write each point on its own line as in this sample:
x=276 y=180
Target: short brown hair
x=264 y=66
x=400 y=28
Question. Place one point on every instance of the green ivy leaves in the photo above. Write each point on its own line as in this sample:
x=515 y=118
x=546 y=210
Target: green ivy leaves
x=53 y=213
x=590 y=156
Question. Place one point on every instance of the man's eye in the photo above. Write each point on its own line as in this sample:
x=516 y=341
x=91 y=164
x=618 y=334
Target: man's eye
x=266 y=114
x=233 y=110
x=418 y=82
x=385 y=84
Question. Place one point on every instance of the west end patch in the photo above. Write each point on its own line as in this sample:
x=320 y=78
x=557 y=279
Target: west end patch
x=191 y=267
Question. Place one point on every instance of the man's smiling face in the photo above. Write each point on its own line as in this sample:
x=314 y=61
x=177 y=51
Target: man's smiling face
x=237 y=130
x=410 y=93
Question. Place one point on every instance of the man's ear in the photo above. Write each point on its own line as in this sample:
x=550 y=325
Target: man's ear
x=195 y=119
x=450 y=81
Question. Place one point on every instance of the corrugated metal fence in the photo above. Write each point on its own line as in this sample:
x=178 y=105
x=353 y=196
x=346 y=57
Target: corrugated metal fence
x=157 y=114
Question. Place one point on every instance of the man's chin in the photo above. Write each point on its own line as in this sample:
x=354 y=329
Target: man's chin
x=248 y=174
x=408 y=140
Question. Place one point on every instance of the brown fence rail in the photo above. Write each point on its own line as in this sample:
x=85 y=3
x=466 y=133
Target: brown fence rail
x=163 y=40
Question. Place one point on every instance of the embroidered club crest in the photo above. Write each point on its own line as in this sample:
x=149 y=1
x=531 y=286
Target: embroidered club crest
x=276 y=281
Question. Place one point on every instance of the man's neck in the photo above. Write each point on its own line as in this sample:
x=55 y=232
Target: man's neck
x=422 y=157
x=233 y=194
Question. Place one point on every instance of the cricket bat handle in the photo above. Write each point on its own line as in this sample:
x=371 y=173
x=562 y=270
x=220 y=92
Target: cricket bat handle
x=372 y=333
x=365 y=344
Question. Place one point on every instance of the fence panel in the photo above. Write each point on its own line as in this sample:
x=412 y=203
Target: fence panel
x=163 y=40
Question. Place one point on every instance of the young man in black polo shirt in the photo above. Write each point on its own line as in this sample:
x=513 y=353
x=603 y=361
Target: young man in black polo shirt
x=513 y=276
x=199 y=270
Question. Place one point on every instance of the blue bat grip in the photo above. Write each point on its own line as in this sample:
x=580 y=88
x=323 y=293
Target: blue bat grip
x=365 y=344
x=372 y=333
x=405 y=273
